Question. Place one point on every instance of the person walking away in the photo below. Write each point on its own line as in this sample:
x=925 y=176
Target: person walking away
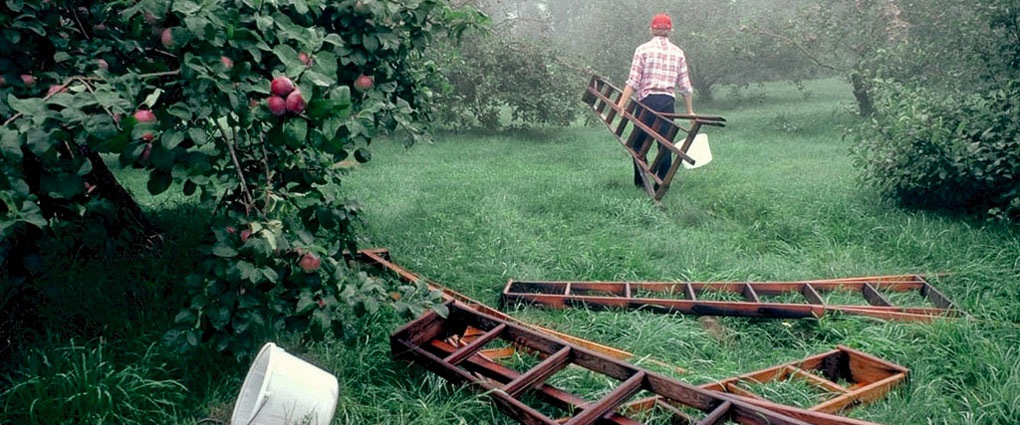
x=659 y=67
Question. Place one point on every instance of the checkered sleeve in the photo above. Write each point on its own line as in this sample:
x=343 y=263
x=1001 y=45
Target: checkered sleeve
x=636 y=68
x=683 y=79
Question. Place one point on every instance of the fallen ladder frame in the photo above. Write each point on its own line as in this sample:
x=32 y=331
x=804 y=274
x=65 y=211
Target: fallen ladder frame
x=690 y=297
x=603 y=96
x=865 y=372
x=424 y=341
x=381 y=258
x=850 y=377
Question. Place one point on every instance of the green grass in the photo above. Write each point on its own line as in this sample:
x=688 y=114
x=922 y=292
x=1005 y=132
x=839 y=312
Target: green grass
x=779 y=202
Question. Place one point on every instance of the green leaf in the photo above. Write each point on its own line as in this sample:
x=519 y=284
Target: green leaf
x=295 y=133
x=224 y=251
x=362 y=155
x=305 y=303
x=159 y=182
x=219 y=316
x=180 y=110
x=152 y=98
x=29 y=107
x=321 y=321
x=61 y=186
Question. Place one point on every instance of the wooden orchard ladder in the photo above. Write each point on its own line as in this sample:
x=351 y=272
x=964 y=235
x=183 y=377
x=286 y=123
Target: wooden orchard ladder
x=424 y=341
x=763 y=299
x=603 y=96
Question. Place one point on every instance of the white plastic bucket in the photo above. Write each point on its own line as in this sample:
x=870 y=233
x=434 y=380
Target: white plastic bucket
x=281 y=389
x=700 y=151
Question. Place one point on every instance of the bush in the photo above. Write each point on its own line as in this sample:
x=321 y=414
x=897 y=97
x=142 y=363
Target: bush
x=933 y=150
x=81 y=385
x=496 y=80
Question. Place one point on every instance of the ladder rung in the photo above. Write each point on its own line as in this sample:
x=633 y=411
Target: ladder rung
x=470 y=349
x=539 y=373
x=610 y=402
x=874 y=297
x=718 y=415
x=812 y=296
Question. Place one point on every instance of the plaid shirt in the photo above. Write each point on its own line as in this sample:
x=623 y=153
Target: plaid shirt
x=658 y=67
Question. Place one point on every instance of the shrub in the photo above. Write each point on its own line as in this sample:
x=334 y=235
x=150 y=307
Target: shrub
x=497 y=79
x=81 y=385
x=943 y=152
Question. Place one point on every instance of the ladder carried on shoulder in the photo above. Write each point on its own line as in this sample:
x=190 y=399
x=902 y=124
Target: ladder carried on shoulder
x=602 y=97
x=865 y=296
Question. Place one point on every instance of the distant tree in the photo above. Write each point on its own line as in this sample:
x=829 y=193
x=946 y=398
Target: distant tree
x=849 y=37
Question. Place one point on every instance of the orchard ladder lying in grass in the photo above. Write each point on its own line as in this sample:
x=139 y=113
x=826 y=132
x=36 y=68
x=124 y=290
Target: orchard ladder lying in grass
x=516 y=393
x=864 y=296
x=603 y=96
x=843 y=378
x=381 y=258
x=869 y=378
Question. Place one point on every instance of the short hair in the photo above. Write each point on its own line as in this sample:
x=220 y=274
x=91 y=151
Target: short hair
x=661 y=32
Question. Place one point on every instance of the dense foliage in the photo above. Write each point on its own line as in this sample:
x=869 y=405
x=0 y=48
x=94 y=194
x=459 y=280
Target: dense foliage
x=951 y=141
x=183 y=90
x=960 y=153
x=504 y=79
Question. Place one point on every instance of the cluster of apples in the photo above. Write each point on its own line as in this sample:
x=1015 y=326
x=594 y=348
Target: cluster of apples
x=285 y=97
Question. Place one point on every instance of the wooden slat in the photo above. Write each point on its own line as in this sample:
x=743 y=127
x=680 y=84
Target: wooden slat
x=874 y=297
x=718 y=415
x=479 y=342
x=539 y=373
x=610 y=402
x=812 y=295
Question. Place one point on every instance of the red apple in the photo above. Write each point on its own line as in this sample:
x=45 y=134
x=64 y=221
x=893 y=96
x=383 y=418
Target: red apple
x=227 y=62
x=305 y=59
x=277 y=105
x=245 y=234
x=231 y=230
x=28 y=80
x=148 y=136
x=3 y=81
x=295 y=102
x=321 y=303
x=167 y=38
x=281 y=86
x=103 y=64
x=364 y=83
x=309 y=262
x=145 y=115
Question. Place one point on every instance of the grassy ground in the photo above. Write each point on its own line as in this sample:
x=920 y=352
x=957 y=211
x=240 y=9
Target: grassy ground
x=779 y=202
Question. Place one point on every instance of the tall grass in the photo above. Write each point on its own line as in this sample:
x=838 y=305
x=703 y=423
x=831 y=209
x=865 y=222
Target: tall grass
x=780 y=202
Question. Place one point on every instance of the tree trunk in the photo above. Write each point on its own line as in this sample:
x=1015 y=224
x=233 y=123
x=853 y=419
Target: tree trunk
x=862 y=92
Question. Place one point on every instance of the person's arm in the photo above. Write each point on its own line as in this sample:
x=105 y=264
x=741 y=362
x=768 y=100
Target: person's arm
x=633 y=79
x=628 y=91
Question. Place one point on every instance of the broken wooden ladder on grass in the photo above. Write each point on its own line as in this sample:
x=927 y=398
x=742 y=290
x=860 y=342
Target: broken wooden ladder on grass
x=603 y=96
x=843 y=378
x=862 y=378
x=864 y=296
x=529 y=397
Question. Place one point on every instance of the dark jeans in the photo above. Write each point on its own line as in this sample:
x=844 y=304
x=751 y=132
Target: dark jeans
x=658 y=103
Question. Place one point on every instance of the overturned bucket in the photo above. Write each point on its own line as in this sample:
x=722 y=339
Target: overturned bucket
x=281 y=389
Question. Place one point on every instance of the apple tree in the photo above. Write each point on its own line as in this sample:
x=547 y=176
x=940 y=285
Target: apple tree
x=248 y=105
